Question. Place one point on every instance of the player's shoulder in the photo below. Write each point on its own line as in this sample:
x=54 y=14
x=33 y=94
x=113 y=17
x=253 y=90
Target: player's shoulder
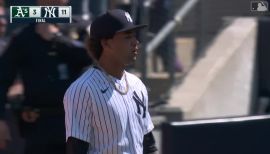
x=84 y=80
x=132 y=76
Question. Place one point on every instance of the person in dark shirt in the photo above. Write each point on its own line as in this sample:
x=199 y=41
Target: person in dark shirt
x=47 y=62
x=159 y=15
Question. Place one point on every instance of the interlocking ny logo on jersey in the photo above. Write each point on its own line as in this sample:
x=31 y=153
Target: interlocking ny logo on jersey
x=139 y=103
x=129 y=19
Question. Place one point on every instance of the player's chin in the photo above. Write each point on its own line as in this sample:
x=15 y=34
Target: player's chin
x=131 y=61
x=134 y=57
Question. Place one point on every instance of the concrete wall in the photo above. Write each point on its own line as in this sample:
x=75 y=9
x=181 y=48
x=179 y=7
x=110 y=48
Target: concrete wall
x=220 y=84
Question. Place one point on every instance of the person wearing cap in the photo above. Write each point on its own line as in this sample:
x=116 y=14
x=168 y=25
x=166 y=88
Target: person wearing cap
x=106 y=108
x=47 y=62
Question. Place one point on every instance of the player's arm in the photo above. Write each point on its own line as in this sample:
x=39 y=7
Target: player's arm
x=149 y=144
x=77 y=140
x=76 y=146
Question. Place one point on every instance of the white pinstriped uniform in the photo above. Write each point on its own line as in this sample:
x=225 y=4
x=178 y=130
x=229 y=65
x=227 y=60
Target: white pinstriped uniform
x=112 y=123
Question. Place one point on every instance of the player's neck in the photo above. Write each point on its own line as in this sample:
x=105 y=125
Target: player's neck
x=114 y=69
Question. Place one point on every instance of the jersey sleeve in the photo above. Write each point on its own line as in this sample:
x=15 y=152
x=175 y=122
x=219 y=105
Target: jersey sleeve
x=148 y=124
x=77 y=104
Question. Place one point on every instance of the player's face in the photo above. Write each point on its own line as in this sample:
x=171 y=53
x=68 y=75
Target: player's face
x=125 y=47
x=3 y=22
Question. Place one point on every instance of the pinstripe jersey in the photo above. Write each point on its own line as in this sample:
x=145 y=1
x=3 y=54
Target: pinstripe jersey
x=112 y=123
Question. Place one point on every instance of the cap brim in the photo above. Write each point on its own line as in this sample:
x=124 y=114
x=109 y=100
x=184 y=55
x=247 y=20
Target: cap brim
x=132 y=28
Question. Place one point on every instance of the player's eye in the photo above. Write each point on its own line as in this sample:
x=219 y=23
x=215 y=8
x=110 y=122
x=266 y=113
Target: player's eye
x=130 y=36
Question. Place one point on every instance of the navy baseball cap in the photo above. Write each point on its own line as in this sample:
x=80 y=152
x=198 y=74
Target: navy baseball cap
x=112 y=22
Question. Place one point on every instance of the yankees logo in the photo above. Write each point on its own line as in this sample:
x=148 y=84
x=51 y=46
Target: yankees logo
x=139 y=103
x=129 y=19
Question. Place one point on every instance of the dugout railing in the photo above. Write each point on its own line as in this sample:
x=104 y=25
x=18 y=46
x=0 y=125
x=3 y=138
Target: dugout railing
x=241 y=135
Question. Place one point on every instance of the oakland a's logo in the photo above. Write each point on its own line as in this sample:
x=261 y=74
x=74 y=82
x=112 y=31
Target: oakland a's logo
x=21 y=12
x=139 y=103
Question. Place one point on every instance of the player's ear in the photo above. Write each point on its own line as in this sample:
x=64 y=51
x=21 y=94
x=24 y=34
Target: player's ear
x=106 y=43
x=87 y=43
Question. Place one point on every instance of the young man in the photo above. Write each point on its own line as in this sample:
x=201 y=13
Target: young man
x=106 y=109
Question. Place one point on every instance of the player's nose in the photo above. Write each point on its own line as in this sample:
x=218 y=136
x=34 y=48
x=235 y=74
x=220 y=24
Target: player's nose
x=135 y=41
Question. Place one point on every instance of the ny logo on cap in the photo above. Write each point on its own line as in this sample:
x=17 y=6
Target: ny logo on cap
x=129 y=19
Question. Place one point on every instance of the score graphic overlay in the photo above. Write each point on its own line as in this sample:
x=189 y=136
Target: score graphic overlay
x=259 y=6
x=36 y=14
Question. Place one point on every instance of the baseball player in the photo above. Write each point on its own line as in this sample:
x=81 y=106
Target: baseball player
x=106 y=109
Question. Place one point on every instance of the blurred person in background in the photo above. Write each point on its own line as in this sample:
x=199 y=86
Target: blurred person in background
x=47 y=63
x=98 y=6
x=4 y=131
x=123 y=4
x=159 y=15
x=77 y=30
x=3 y=27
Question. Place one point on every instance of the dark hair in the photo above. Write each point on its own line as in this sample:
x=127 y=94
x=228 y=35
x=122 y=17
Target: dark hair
x=94 y=48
